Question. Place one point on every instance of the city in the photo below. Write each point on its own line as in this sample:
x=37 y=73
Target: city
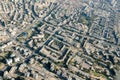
x=59 y=40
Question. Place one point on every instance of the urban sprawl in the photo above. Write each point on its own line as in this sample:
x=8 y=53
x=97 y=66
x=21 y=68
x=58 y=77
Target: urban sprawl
x=59 y=39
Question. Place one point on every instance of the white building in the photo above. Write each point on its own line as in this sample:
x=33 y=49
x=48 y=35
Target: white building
x=17 y=59
x=9 y=61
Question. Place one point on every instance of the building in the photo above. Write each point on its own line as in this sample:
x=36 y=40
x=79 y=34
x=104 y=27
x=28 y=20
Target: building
x=9 y=61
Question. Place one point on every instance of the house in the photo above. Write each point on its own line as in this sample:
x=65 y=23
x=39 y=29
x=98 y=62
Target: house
x=40 y=36
x=9 y=61
x=16 y=59
x=35 y=76
x=21 y=67
x=89 y=62
x=5 y=74
x=3 y=33
x=12 y=78
x=4 y=46
x=52 y=68
x=31 y=61
x=12 y=70
x=12 y=55
x=59 y=72
x=27 y=74
x=1 y=78
x=31 y=43
x=85 y=65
